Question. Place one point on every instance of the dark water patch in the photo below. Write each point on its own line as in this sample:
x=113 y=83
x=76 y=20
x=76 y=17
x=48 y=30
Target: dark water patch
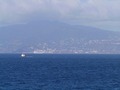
x=60 y=72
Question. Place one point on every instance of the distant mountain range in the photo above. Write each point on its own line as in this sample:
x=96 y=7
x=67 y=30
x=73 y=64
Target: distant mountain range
x=50 y=31
x=46 y=30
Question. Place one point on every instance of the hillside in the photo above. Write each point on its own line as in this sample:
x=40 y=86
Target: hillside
x=34 y=33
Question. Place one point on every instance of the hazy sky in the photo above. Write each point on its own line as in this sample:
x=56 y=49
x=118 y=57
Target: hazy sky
x=98 y=13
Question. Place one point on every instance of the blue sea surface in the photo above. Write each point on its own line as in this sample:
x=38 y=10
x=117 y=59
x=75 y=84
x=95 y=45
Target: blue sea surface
x=59 y=72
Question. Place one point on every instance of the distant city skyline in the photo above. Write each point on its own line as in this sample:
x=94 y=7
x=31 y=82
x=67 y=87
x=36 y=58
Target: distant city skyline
x=103 y=14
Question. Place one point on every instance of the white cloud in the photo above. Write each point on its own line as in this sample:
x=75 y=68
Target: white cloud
x=16 y=10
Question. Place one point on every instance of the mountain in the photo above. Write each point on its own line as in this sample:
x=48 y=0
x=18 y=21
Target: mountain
x=34 y=33
x=45 y=31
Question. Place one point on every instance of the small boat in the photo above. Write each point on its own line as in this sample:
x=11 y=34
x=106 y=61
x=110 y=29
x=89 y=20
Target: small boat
x=22 y=55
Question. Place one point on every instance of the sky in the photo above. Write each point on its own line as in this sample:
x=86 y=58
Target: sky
x=103 y=14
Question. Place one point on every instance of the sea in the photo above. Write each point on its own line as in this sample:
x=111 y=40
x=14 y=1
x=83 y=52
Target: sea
x=59 y=72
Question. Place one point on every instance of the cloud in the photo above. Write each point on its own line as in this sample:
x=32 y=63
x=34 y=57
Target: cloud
x=17 y=10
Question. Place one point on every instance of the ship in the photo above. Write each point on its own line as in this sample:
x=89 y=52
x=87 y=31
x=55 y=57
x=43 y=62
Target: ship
x=22 y=55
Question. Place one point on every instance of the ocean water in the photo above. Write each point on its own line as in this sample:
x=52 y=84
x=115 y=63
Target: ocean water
x=59 y=72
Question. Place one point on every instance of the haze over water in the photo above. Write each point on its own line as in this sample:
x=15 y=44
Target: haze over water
x=59 y=44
